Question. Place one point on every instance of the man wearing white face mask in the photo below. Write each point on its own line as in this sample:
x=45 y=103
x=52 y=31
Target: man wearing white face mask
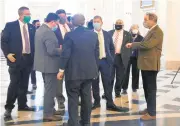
x=136 y=37
x=149 y=62
x=46 y=61
x=105 y=63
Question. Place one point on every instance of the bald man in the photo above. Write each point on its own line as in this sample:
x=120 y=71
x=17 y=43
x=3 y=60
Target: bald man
x=79 y=62
x=122 y=55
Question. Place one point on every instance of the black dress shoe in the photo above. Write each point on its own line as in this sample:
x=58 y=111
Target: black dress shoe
x=103 y=96
x=34 y=87
x=134 y=90
x=29 y=92
x=61 y=106
x=79 y=103
x=116 y=108
x=26 y=109
x=53 y=118
x=7 y=113
x=59 y=112
x=124 y=92
x=117 y=95
x=95 y=106
x=64 y=124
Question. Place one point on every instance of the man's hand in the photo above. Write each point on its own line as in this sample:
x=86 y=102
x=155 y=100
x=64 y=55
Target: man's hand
x=11 y=58
x=60 y=47
x=129 y=45
x=60 y=75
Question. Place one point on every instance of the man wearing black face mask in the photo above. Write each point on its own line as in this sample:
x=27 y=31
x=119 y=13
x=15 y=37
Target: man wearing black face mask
x=63 y=28
x=36 y=23
x=122 y=55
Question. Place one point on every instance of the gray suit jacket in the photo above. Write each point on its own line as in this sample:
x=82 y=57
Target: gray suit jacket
x=47 y=51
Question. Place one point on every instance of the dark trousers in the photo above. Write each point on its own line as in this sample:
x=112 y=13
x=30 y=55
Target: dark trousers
x=150 y=88
x=76 y=88
x=59 y=93
x=105 y=70
x=19 y=79
x=135 y=74
x=33 y=77
x=118 y=71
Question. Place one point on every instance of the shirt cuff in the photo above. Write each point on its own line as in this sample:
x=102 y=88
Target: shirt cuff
x=60 y=70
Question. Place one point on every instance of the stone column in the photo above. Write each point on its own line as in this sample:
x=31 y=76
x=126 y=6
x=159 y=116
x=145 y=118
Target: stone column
x=172 y=46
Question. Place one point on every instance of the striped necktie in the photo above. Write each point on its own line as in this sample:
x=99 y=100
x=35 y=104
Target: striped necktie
x=26 y=39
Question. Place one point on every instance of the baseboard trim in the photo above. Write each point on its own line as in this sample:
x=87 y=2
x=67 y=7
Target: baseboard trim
x=172 y=65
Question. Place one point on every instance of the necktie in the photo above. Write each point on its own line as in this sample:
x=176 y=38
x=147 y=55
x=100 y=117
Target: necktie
x=101 y=46
x=116 y=44
x=65 y=30
x=26 y=39
x=116 y=38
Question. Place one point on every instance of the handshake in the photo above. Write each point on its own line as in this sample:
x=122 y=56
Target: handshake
x=129 y=45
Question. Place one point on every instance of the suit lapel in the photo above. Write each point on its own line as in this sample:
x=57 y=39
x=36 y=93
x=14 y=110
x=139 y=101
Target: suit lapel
x=150 y=32
x=59 y=32
x=30 y=31
x=18 y=31
x=124 y=38
x=105 y=39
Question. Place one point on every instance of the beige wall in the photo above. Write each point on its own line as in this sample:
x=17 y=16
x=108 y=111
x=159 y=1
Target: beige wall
x=172 y=46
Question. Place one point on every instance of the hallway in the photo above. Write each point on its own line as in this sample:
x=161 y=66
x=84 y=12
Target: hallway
x=168 y=105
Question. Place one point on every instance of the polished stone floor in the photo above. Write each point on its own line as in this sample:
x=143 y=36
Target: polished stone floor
x=168 y=105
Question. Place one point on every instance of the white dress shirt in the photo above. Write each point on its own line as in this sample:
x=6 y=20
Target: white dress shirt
x=63 y=30
x=119 y=41
x=21 y=24
x=102 y=39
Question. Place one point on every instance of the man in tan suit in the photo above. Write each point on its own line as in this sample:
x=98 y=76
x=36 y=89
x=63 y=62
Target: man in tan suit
x=149 y=62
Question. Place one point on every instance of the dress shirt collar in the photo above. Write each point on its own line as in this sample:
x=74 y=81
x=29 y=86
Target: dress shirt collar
x=153 y=27
x=21 y=23
x=101 y=32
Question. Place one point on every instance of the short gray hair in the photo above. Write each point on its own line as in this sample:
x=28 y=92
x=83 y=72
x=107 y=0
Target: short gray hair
x=97 y=17
x=21 y=9
x=78 y=20
x=152 y=16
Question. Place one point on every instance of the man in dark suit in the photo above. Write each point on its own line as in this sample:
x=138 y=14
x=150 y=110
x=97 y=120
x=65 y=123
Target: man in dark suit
x=46 y=60
x=63 y=26
x=105 y=63
x=79 y=62
x=36 y=24
x=17 y=44
x=122 y=55
x=61 y=31
x=149 y=62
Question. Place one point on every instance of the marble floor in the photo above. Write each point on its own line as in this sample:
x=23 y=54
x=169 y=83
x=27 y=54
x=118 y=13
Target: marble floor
x=168 y=105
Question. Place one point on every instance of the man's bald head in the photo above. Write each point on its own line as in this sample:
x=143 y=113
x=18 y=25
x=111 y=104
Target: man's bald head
x=119 y=22
x=78 y=20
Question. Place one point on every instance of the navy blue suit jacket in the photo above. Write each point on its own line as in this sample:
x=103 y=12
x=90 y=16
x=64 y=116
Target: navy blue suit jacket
x=109 y=47
x=80 y=53
x=11 y=41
